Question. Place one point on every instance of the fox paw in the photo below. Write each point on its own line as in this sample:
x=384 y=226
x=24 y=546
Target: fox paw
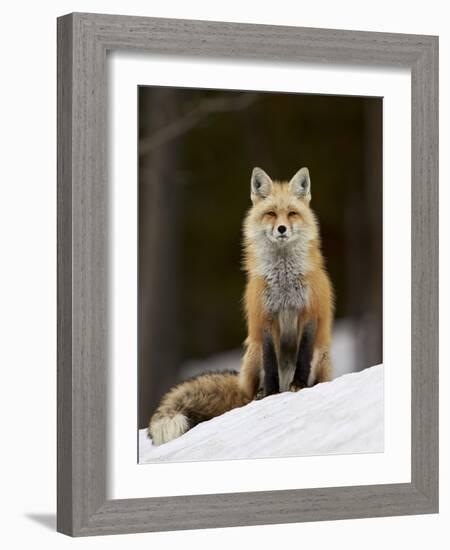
x=296 y=386
x=260 y=394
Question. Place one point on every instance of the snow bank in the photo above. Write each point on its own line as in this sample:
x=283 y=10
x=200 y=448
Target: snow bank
x=339 y=417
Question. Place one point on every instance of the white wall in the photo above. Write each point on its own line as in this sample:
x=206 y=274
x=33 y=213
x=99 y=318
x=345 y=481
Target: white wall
x=27 y=289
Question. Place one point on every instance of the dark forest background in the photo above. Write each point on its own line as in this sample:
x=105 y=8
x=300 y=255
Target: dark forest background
x=197 y=149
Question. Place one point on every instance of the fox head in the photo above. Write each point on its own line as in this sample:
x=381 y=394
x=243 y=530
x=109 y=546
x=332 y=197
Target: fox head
x=281 y=212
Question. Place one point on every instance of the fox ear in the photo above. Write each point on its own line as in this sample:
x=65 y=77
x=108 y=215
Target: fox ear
x=261 y=185
x=300 y=184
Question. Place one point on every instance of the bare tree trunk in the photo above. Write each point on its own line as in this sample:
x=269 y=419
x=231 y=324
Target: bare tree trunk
x=363 y=229
x=374 y=197
x=158 y=242
x=357 y=251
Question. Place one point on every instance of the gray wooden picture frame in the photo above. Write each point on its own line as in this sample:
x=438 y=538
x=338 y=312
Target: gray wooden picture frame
x=83 y=41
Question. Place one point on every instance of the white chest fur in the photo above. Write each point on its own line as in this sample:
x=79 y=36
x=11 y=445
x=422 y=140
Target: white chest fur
x=285 y=289
x=282 y=270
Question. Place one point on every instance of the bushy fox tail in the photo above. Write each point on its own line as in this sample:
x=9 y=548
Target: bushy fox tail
x=194 y=401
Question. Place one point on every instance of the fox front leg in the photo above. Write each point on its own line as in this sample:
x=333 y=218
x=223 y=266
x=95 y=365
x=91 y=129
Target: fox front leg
x=270 y=366
x=304 y=358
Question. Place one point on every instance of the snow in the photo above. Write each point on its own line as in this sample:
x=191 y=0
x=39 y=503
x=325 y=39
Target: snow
x=339 y=417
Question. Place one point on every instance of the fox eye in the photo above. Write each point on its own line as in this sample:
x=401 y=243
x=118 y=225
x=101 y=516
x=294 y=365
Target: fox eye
x=271 y=213
x=292 y=213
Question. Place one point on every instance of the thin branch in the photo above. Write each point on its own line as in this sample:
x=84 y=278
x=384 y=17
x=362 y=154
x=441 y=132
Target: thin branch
x=192 y=118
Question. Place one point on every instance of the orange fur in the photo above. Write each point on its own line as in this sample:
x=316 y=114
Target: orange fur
x=281 y=206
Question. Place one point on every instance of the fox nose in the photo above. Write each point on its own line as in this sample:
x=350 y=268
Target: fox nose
x=281 y=229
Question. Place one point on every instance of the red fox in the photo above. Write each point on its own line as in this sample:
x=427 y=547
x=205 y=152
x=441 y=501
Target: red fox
x=289 y=311
x=288 y=298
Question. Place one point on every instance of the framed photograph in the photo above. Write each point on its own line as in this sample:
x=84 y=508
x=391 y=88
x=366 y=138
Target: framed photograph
x=247 y=274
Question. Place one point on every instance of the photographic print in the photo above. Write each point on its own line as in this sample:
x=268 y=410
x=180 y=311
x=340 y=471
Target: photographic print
x=248 y=292
x=260 y=275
